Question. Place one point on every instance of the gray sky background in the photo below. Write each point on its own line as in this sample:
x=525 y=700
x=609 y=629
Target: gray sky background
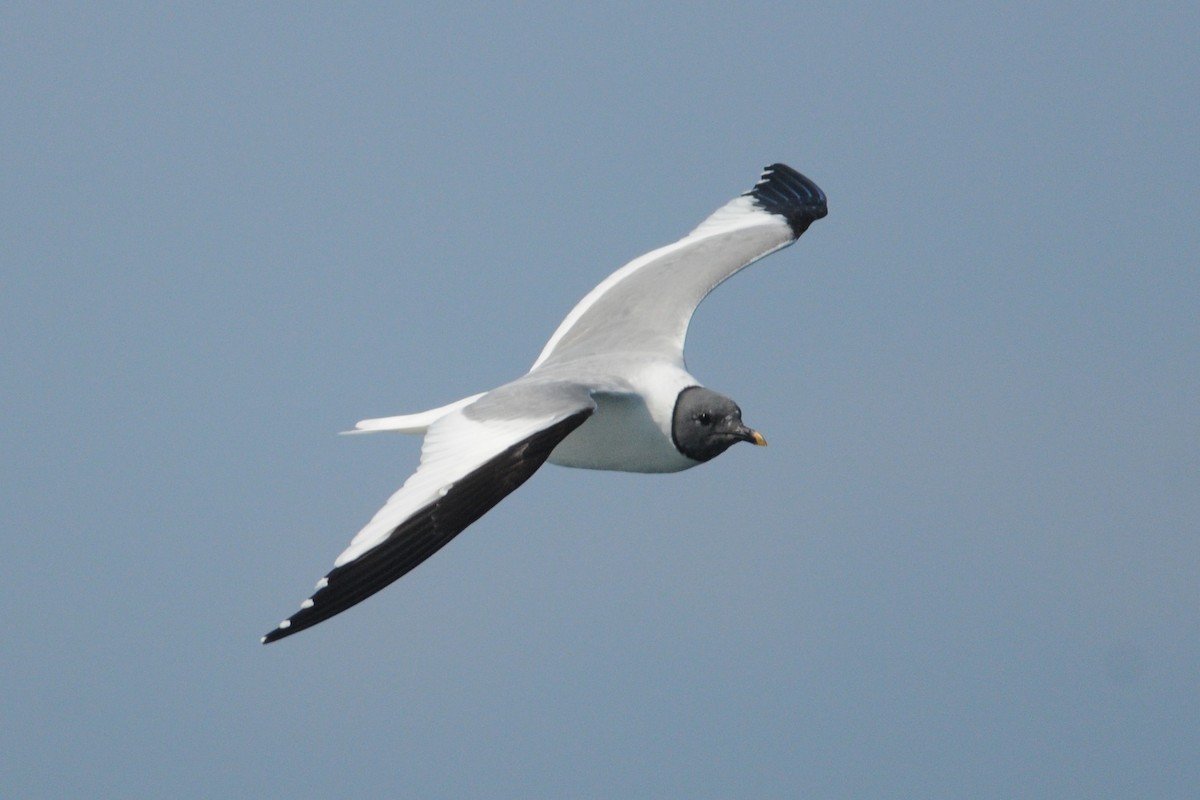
x=966 y=566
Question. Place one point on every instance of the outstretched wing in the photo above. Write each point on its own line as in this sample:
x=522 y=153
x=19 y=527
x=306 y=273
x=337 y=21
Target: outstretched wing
x=468 y=465
x=646 y=305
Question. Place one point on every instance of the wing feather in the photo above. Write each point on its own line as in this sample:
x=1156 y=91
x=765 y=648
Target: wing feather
x=646 y=305
x=420 y=527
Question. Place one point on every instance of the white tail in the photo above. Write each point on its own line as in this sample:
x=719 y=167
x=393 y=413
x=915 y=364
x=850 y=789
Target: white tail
x=412 y=423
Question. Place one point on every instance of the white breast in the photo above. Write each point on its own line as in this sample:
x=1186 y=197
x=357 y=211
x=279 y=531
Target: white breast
x=631 y=430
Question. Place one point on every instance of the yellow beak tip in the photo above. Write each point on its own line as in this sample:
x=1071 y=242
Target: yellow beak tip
x=759 y=439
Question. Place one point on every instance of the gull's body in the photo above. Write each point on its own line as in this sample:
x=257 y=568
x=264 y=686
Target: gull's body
x=609 y=391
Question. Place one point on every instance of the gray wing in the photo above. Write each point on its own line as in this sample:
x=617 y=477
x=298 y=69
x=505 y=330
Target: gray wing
x=646 y=305
x=470 y=461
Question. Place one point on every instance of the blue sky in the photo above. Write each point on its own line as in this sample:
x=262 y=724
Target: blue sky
x=966 y=566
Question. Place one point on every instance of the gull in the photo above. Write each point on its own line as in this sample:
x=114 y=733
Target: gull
x=609 y=391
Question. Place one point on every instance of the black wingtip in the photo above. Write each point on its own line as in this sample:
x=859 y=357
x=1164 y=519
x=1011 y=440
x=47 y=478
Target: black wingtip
x=783 y=191
x=283 y=629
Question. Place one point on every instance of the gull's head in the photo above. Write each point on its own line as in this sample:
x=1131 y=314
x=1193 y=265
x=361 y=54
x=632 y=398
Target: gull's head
x=706 y=424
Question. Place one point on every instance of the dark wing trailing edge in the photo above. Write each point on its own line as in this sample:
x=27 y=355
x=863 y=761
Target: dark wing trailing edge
x=429 y=529
x=788 y=194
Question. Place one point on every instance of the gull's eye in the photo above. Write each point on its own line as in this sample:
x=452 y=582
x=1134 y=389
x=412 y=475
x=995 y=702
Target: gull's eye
x=704 y=418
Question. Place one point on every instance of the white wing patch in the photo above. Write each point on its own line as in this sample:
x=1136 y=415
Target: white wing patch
x=740 y=212
x=454 y=447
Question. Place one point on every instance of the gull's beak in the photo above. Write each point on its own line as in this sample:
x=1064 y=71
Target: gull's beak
x=751 y=436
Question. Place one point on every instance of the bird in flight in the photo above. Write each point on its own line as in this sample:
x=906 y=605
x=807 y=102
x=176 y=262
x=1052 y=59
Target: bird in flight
x=609 y=391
